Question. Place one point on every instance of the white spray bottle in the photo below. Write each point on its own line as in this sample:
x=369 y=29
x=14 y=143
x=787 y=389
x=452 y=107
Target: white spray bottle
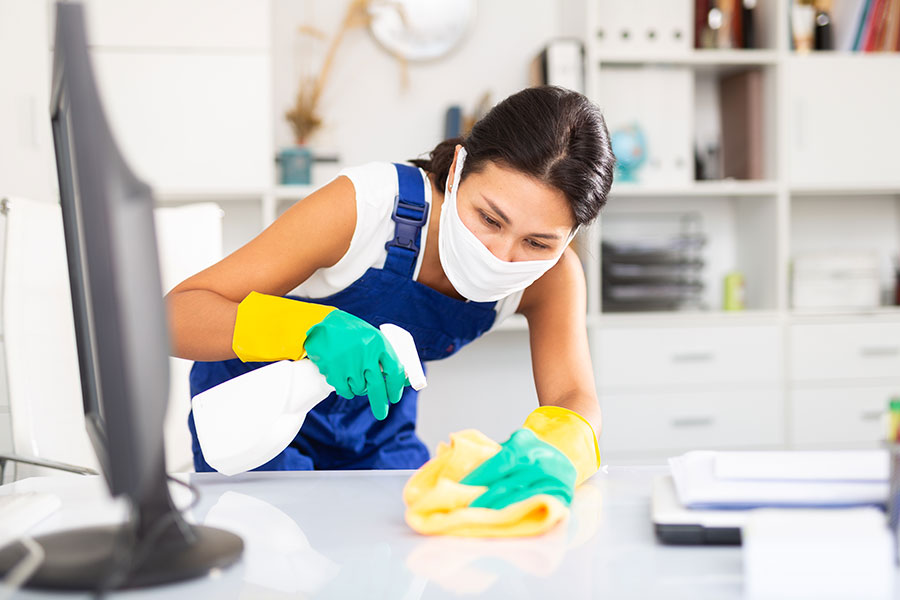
x=247 y=421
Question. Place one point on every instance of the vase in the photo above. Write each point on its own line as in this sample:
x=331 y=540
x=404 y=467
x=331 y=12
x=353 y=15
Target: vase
x=296 y=165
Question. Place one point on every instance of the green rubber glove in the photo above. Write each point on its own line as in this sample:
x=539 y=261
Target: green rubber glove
x=356 y=360
x=525 y=466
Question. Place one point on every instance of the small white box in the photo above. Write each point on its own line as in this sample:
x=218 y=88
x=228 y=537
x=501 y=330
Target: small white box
x=644 y=27
x=836 y=279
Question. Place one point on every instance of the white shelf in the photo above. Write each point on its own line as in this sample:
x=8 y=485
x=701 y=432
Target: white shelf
x=278 y=192
x=684 y=318
x=696 y=58
x=886 y=313
x=209 y=195
x=829 y=55
x=731 y=188
x=875 y=189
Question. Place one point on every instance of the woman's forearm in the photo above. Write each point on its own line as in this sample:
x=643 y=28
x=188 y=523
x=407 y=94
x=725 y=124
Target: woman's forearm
x=201 y=325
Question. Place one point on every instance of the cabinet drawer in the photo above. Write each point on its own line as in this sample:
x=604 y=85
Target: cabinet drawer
x=839 y=415
x=667 y=421
x=701 y=355
x=839 y=351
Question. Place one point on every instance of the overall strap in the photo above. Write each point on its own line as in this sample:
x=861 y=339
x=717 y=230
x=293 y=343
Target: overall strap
x=410 y=214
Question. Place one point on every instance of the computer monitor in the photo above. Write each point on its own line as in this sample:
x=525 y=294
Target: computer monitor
x=123 y=349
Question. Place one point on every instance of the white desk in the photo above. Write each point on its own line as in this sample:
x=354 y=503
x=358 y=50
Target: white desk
x=342 y=535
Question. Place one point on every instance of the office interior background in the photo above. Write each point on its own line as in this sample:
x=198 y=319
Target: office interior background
x=742 y=280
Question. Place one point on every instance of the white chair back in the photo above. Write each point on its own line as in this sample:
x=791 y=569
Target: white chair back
x=43 y=381
x=190 y=239
x=38 y=330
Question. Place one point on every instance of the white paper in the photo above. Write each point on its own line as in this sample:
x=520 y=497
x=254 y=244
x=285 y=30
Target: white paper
x=853 y=465
x=698 y=487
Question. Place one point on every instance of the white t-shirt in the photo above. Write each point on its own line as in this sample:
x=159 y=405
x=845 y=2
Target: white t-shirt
x=376 y=186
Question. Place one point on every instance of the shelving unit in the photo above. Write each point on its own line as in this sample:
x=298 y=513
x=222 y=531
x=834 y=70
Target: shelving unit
x=828 y=183
x=670 y=381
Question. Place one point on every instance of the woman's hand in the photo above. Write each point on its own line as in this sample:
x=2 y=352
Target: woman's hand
x=525 y=466
x=356 y=360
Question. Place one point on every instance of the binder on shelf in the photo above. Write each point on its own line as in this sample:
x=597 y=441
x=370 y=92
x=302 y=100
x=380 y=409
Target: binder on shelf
x=748 y=23
x=875 y=28
x=891 y=41
x=741 y=98
x=644 y=26
x=560 y=63
x=701 y=15
x=659 y=102
x=845 y=18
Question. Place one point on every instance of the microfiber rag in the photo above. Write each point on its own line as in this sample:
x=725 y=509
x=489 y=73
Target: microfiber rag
x=437 y=504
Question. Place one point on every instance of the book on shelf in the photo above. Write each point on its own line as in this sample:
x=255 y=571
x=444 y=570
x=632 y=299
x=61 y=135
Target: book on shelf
x=560 y=63
x=741 y=98
x=724 y=24
x=876 y=27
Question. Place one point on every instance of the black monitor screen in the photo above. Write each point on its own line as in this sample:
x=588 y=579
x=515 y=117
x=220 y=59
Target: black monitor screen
x=117 y=301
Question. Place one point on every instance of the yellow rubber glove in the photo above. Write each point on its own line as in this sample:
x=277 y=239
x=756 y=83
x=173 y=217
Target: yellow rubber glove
x=437 y=504
x=270 y=328
x=571 y=434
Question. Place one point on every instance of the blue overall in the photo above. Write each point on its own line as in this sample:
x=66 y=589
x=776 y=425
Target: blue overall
x=340 y=433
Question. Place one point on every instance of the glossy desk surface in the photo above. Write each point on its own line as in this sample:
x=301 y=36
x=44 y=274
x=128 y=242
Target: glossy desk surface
x=342 y=535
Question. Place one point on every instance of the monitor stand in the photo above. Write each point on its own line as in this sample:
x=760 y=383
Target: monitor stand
x=154 y=547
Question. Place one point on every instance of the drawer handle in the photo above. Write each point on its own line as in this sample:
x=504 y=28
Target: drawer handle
x=693 y=422
x=875 y=351
x=871 y=415
x=693 y=357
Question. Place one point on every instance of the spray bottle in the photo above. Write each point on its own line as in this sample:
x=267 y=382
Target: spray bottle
x=247 y=421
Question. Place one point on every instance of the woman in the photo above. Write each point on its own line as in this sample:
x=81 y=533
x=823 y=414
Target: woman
x=480 y=230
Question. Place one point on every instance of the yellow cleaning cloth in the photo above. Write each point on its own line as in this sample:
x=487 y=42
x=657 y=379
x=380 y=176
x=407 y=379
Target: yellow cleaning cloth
x=437 y=504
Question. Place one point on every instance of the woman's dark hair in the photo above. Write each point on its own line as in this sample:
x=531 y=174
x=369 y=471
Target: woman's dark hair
x=552 y=134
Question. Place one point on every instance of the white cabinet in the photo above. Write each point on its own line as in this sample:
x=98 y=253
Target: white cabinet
x=191 y=122
x=844 y=351
x=178 y=24
x=664 y=390
x=187 y=88
x=672 y=422
x=827 y=416
x=668 y=356
x=828 y=129
x=842 y=377
x=843 y=121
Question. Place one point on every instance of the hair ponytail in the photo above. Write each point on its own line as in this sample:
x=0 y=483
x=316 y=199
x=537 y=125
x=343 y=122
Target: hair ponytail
x=439 y=161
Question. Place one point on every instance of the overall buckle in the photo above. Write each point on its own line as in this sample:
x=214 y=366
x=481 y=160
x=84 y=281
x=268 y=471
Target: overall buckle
x=407 y=228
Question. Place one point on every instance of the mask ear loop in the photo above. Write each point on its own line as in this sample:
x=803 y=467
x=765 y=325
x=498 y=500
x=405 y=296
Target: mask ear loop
x=457 y=174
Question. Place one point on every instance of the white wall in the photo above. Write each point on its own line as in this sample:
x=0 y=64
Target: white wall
x=367 y=114
x=26 y=148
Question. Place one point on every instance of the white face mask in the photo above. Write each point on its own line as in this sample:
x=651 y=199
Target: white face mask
x=473 y=269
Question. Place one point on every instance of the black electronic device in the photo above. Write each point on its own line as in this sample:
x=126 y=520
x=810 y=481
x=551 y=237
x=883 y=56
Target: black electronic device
x=123 y=351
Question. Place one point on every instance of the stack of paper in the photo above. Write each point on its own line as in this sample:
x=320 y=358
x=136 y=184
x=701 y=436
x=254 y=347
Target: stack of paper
x=739 y=480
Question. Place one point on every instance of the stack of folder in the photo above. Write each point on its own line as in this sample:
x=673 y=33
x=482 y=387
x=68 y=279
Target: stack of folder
x=708 y=496
x=706 y=479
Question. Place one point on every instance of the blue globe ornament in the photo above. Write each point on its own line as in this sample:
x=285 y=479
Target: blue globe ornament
x=630 y=149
